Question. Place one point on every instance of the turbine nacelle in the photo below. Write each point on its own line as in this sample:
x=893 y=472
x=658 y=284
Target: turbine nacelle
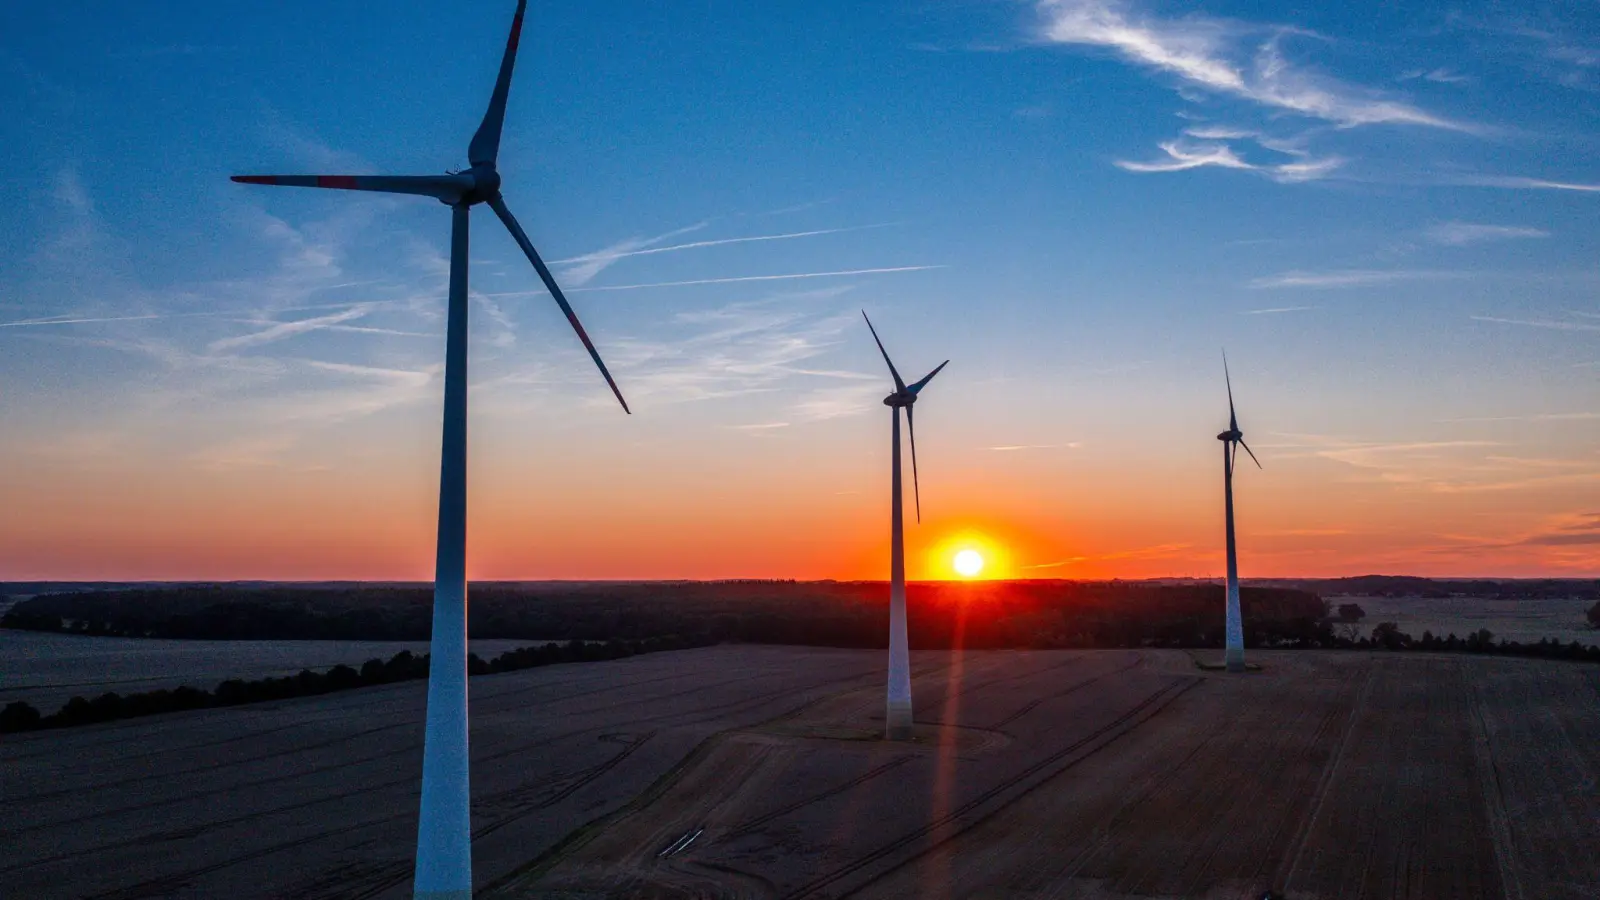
x=1234 y=435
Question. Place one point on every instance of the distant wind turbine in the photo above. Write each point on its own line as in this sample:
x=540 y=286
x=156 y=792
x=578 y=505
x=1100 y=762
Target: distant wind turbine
x=444 y=832
x=1231 y=440
x=897 y=718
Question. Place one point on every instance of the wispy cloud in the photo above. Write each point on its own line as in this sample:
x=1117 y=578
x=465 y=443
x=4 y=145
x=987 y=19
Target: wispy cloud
x=582 y=269
x=1553 y=324
x=748 y=348
x=1056 y=564
x=1445 y=467
x=80 y=320
x=1525 y=183
x=413 y=377
x=698 y=281
x=1006 y=448
x=1348 y=278
x=1276 y=310
x=758 y=427
x=1441 y=75
x=1538 y=417
x=287 y=329
x=1183 y=155
x=1457 y=234
x=585 y=267
x=1227 y=57
x=1580 y=529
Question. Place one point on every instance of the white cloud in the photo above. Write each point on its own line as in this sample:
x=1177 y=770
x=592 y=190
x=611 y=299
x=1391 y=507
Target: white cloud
x=1183 y=154
x=1276 y=310
x=1007 y=448
x=1458 y=234
x=587 y=266
x=584 y=268
x=1216 y=56
x=698 y=281
x=1346 y=278
x=287 y=329
x=1532 y=184
x=1554 y=324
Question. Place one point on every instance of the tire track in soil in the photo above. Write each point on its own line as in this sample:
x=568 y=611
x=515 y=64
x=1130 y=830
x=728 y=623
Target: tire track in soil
x=1287 y=799
x=1330 y=774
x=1155 y=703
x=334 y=717
x=1493 y=794
x=863 y=778
x=717 y=711
x=1032 y=705
x=275 y=707
x=872 y=774
x=278 y=754
x=1266 y=774
x=185 y=877
x=1063 y=880
x=167 y=884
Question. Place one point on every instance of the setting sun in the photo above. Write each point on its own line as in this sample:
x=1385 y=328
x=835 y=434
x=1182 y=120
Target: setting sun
x=968 y=563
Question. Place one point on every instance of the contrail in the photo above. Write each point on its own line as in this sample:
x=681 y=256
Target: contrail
x=694 y=245
x=658 y=284
x=215 y=313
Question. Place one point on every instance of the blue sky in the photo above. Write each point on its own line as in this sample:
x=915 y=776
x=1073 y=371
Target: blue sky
x=1389 y=217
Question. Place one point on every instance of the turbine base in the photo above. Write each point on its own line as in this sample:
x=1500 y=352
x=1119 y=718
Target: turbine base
x=442 y=895
x=897 y=725
x=1235 y=661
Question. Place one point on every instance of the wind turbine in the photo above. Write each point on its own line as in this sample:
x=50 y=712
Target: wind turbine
x=444 y=831
x=897 y=717
x=1231 y=440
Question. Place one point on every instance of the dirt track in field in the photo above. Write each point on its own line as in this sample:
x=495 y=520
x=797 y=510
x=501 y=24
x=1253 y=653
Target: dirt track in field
x=758 y=772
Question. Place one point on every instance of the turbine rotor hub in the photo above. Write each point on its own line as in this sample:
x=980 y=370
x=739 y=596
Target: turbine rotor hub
x=485 y=184
x=1231 y=436
x=899 y=399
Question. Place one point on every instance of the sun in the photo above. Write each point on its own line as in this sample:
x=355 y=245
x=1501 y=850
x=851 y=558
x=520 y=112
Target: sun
x=968 y=563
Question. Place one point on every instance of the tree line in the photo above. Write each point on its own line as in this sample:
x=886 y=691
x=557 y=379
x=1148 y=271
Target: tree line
x=837 y=614
x=403 y=666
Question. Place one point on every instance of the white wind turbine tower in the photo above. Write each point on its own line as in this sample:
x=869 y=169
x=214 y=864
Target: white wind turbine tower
x=897 y=714
x=1231 y=440
x=444 y=831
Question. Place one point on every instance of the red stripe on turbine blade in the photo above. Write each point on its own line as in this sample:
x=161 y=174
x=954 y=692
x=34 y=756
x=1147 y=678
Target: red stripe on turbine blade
x=347 y=182
x=516 y=33
x=255 y=179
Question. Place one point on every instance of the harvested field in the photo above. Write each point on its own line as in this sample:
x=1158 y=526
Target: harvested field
x=47 y=669
x=745 y=771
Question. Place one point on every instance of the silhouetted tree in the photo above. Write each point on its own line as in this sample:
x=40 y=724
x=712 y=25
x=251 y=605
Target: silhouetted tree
x=1351 y=612
x=19 y=716
x=1594 y=615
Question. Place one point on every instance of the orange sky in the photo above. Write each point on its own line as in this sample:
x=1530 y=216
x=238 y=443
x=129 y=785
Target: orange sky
x=584 y=503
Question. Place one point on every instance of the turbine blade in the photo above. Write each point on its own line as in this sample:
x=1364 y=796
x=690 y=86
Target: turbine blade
x=499 y=207
x=1252 y=453
x=448 y=188
x=1233 y=420
x=926 y=378
x=485 y=146
x=898 y=384
x=916 y=489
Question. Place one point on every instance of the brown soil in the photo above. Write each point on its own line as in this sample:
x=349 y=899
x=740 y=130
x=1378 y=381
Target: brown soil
x=761 y=772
